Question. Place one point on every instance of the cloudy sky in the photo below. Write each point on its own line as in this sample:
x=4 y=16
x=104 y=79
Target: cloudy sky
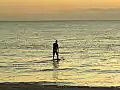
x=32 y=10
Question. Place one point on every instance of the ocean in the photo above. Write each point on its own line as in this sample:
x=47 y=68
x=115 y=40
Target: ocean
x=91 y=50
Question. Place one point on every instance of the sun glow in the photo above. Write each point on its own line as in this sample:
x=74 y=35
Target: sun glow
x=20 y=9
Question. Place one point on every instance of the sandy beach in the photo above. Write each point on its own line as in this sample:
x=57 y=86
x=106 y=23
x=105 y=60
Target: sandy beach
x=36 y=86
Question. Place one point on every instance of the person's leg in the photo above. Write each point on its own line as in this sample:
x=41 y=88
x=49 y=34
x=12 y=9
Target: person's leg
x=57 y=55
x=53 y=55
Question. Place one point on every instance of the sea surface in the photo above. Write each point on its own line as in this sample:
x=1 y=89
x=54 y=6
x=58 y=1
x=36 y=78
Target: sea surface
x=91 y=50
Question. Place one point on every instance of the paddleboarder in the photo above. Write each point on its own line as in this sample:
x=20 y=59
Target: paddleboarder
x=55 y=50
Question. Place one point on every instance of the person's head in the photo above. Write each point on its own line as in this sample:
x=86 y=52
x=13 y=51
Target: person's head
x=56 y=41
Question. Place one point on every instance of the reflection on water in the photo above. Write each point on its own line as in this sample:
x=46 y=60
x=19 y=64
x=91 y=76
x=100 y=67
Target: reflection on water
x=56 y=72
x=91 y=50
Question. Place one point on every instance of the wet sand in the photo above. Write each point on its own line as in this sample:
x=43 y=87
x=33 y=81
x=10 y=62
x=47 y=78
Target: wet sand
x=36 y=86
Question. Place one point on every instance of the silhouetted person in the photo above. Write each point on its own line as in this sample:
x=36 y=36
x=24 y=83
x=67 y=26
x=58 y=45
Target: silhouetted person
x=55 y=50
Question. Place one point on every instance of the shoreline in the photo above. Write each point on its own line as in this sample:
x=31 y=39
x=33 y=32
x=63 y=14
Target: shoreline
x=37 y=86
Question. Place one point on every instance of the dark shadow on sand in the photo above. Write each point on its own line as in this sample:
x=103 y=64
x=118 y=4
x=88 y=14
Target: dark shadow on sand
x=38 y=86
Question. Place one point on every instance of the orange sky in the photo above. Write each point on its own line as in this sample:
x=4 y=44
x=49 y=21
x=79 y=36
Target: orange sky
x=59 y=10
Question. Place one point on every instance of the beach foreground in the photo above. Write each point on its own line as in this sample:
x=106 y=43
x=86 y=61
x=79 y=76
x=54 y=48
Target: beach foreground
x=35 y=86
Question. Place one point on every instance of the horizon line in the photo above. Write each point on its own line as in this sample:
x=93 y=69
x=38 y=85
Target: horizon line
x=50 y=20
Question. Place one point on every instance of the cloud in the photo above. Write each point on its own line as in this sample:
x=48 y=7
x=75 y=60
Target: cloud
x=98 y=9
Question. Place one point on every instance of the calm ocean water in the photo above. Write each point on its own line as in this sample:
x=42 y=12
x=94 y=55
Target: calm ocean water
x=91 y=50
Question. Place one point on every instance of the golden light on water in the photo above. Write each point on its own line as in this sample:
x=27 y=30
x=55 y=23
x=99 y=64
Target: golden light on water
x=90 y=49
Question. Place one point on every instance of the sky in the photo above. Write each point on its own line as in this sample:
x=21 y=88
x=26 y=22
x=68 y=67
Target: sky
x=36 y=10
